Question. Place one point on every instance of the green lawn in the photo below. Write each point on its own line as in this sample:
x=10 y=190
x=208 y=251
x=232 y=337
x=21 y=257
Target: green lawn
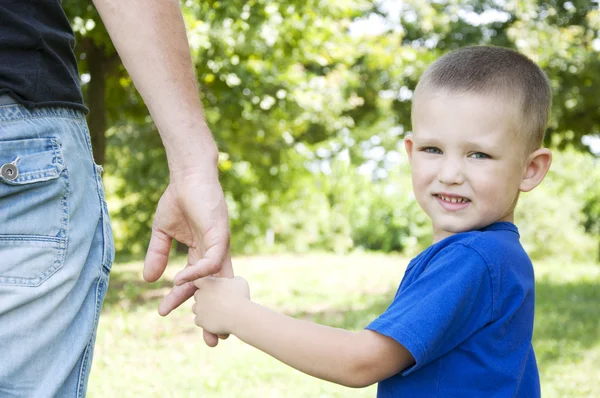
x=140 y=354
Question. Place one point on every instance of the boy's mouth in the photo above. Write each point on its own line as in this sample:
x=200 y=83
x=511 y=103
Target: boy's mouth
x=451 y=198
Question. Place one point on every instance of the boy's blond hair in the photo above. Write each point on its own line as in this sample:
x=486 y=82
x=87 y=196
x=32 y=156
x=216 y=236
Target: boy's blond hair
x=500 y=72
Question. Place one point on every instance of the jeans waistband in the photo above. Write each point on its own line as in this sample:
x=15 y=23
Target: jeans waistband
x=11 y=110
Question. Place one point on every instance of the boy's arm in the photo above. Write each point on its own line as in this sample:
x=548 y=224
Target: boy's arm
x=353 y=359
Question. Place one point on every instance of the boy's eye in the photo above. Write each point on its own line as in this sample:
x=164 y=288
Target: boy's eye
x=431 y=149
x=479 y=155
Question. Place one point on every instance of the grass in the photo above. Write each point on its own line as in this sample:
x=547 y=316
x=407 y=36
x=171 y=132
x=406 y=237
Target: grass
x=138 y=353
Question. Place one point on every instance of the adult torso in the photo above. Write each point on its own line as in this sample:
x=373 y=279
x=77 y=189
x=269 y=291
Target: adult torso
x=37 y=62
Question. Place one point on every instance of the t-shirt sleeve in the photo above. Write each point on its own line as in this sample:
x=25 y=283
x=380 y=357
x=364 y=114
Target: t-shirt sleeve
x=448 y=302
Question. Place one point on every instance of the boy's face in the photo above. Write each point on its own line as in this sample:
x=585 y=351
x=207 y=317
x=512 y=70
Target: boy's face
x=467 y=161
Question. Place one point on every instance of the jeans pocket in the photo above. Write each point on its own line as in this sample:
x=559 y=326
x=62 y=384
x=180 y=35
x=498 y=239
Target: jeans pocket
x=34 y=213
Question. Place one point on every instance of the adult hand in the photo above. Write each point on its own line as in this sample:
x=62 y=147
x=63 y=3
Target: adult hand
x=151 y=40
x=192 y=210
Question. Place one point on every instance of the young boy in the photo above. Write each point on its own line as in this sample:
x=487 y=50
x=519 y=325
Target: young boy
x=462 y=320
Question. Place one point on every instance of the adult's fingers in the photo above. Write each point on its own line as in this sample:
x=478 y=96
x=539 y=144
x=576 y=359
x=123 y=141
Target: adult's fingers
x=207 y=266
x=177 y=296
x=203 y=267
x=227 y=267
x=157 y=255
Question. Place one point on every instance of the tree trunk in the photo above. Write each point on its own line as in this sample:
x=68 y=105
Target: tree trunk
x=97 y=65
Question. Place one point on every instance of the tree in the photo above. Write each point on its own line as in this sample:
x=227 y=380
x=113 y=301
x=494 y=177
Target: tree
x=559 y=35
x=287 y=88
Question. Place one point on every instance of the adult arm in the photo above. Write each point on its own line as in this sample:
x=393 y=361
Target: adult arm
x=151 y=40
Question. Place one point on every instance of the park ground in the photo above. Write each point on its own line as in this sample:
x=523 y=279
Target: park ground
x=140 y=354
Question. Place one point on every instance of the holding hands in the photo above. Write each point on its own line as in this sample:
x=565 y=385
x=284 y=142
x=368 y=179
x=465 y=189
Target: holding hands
x=219 y=303
x=193 y=211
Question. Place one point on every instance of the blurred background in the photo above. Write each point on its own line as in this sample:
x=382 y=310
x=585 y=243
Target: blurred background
x=309 y=102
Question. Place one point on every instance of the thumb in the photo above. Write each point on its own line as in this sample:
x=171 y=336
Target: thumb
x=226 y=267
x=157 y=255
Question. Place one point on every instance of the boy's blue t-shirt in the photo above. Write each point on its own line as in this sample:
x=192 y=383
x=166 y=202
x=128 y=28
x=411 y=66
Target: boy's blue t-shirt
x=464 y=310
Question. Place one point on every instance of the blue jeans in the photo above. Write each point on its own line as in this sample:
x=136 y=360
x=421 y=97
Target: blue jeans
x=56 y=251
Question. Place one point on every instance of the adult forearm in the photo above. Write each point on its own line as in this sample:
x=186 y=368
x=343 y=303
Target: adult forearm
x=321 y=351
x=151 y=40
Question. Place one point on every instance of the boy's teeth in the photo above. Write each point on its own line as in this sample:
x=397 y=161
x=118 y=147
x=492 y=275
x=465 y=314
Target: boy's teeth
x=452 y=200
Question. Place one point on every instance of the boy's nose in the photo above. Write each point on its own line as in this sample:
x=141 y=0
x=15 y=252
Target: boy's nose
x=451 y=172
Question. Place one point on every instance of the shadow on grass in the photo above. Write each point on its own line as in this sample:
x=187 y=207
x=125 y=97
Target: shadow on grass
x=567 y=320
x=356 y=316
x=127 y=291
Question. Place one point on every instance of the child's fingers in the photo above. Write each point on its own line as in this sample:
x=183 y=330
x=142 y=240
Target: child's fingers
x=210 y=339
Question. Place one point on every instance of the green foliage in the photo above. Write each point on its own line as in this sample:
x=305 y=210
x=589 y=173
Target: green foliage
x=591 y=204
x=342 y=209
x=338 y=208
x=298 y=106
x=591 y=210
x=561 y=36
x=139 y=175
x=551 y=218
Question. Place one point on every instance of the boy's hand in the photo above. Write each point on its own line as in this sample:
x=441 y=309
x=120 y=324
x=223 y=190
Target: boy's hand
x=218 y=303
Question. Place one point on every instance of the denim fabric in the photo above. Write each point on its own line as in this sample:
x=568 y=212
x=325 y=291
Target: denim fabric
x=56 y=251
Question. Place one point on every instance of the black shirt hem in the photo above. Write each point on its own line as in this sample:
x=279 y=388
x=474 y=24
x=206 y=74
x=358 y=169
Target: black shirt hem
x=32 y=104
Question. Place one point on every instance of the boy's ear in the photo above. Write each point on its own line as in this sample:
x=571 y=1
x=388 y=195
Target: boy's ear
x=538 y=163
x=408 y=145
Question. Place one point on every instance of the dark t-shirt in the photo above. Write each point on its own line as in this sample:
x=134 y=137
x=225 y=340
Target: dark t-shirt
x=37 y=63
